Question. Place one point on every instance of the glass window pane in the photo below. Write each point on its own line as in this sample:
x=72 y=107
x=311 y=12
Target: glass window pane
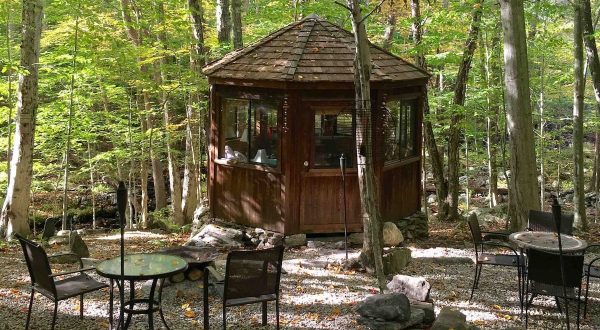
x=264 y=133
x=234 y=133
x=333 y=136
x=400 y=129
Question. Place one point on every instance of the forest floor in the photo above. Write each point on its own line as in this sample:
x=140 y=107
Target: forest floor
x=316 y=292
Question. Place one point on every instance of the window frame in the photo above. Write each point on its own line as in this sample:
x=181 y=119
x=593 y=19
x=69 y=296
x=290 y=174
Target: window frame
x=346 y=108
x=416 y=99
x=222 y=140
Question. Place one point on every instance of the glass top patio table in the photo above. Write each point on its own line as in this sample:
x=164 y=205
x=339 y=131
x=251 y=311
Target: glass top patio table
x=142 y=266
x=547 y=241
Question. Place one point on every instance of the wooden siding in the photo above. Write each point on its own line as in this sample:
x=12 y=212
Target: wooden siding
x=249 y=196
x=399 y=190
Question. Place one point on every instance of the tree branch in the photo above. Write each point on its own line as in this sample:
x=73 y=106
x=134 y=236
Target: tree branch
x=343 y=5
x=372 y=11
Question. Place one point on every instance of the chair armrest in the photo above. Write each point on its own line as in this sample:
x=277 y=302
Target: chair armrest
x=67 y=254
x=71 y=272
x=214 y=273
x=500 y=245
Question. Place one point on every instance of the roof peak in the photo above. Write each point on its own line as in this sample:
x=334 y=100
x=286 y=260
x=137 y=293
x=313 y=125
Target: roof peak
x=312 y=16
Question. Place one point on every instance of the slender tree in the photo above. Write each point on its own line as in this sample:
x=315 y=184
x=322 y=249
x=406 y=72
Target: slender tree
x=578 y=96
x=236 y=20
x=459 y=99
x=223 y=21
x=523 y=183
x=65 y=205
x=372 y=244
x=390 y=26
x=9 y=73
x=14 y=215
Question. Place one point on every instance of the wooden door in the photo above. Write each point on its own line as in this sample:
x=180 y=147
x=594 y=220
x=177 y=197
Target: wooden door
x=330 y=133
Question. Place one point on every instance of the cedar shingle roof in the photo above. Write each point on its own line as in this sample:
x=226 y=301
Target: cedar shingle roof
x=310 y=50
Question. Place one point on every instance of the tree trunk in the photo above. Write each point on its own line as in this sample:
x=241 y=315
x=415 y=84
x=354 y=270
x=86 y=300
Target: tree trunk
x=435 y=158
x=459 y=99
x=197 y=19
x=14 y=216
x=189 y=197
x=523 y=183
x=65 y=205
x=372 y=244
x=223 y=22
x=9 y=100
x=390 y=27
x=236 y=19
x=594 y=68
x=144 y=219
x=492 y=80
x=578 y=96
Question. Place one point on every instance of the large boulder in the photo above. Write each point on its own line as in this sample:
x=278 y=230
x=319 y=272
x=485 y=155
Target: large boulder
x=395 y=260
x=416 y=318
x=385 y=307
x=218 y=236
x=450 y=319
x=392 y=236
x=415 y=288
x=356 y=239
x=49 y=229
x=78 y=246
x=427 y=308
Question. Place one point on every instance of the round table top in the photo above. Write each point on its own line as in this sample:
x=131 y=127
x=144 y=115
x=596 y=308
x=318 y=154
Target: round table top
x=547 y=241
x=143 y=266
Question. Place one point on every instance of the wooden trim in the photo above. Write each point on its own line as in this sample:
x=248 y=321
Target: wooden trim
x=399 y=163
x=320 y=172
x=250 y=166
x=317 y=85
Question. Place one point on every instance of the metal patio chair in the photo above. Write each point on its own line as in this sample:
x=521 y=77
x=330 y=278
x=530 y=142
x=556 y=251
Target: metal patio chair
x=485 y=258
x=482 y=257
x=250 y=277
x=590 y=270
x=46 y=283
x=544 y=221
x=544 y=278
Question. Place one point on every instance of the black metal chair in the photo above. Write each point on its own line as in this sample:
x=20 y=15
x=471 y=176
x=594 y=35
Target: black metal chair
x=485 y=258
x=46 y=283
x=544 y=278
x=544 y=221
x=250 y=277
x=590 y=270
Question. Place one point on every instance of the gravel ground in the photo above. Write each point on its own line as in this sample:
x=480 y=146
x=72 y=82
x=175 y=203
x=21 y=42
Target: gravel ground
x=316 y=294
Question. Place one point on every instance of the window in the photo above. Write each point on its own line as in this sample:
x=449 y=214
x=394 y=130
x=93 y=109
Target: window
x=334 y=135
x=400 y=129
x=249 y=131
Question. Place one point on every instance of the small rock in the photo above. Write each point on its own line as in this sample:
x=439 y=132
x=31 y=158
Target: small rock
x=341 y=245
x=315 y=244
x=356 y=239
x=276 y=239
x=388 y=307
x=396 y=260
x=392 y=236
x=58 y=240
x=450 y=319
x=63 y=233
x=415 y=288
x=295 y=240
x=427 y=308
x=431 y=199
x=416 y=317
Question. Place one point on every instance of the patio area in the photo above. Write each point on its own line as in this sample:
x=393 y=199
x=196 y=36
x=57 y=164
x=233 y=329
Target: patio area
x=316 y=293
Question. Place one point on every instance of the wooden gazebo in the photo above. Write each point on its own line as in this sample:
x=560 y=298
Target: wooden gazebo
x=281 y=113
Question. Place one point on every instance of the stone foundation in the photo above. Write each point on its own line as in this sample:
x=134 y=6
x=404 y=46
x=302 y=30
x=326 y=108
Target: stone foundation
x=414 y=226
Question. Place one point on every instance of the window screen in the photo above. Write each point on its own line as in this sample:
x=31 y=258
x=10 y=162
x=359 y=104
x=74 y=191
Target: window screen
x=333 y=135
x=400 y=129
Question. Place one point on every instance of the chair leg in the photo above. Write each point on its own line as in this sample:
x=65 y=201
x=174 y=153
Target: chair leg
x=29 y=310
x=81 y=307
x=264 y=313
x=474 y=282
x=585 y=301
x=478 y=276
x=277 y=312
x=55 y=312
x=224 y=318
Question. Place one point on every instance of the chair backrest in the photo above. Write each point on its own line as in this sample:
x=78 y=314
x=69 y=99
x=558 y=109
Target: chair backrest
x=253 y=273
x=544 y=221
x=475 y=230
x=544 y=267
x=38 y=265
